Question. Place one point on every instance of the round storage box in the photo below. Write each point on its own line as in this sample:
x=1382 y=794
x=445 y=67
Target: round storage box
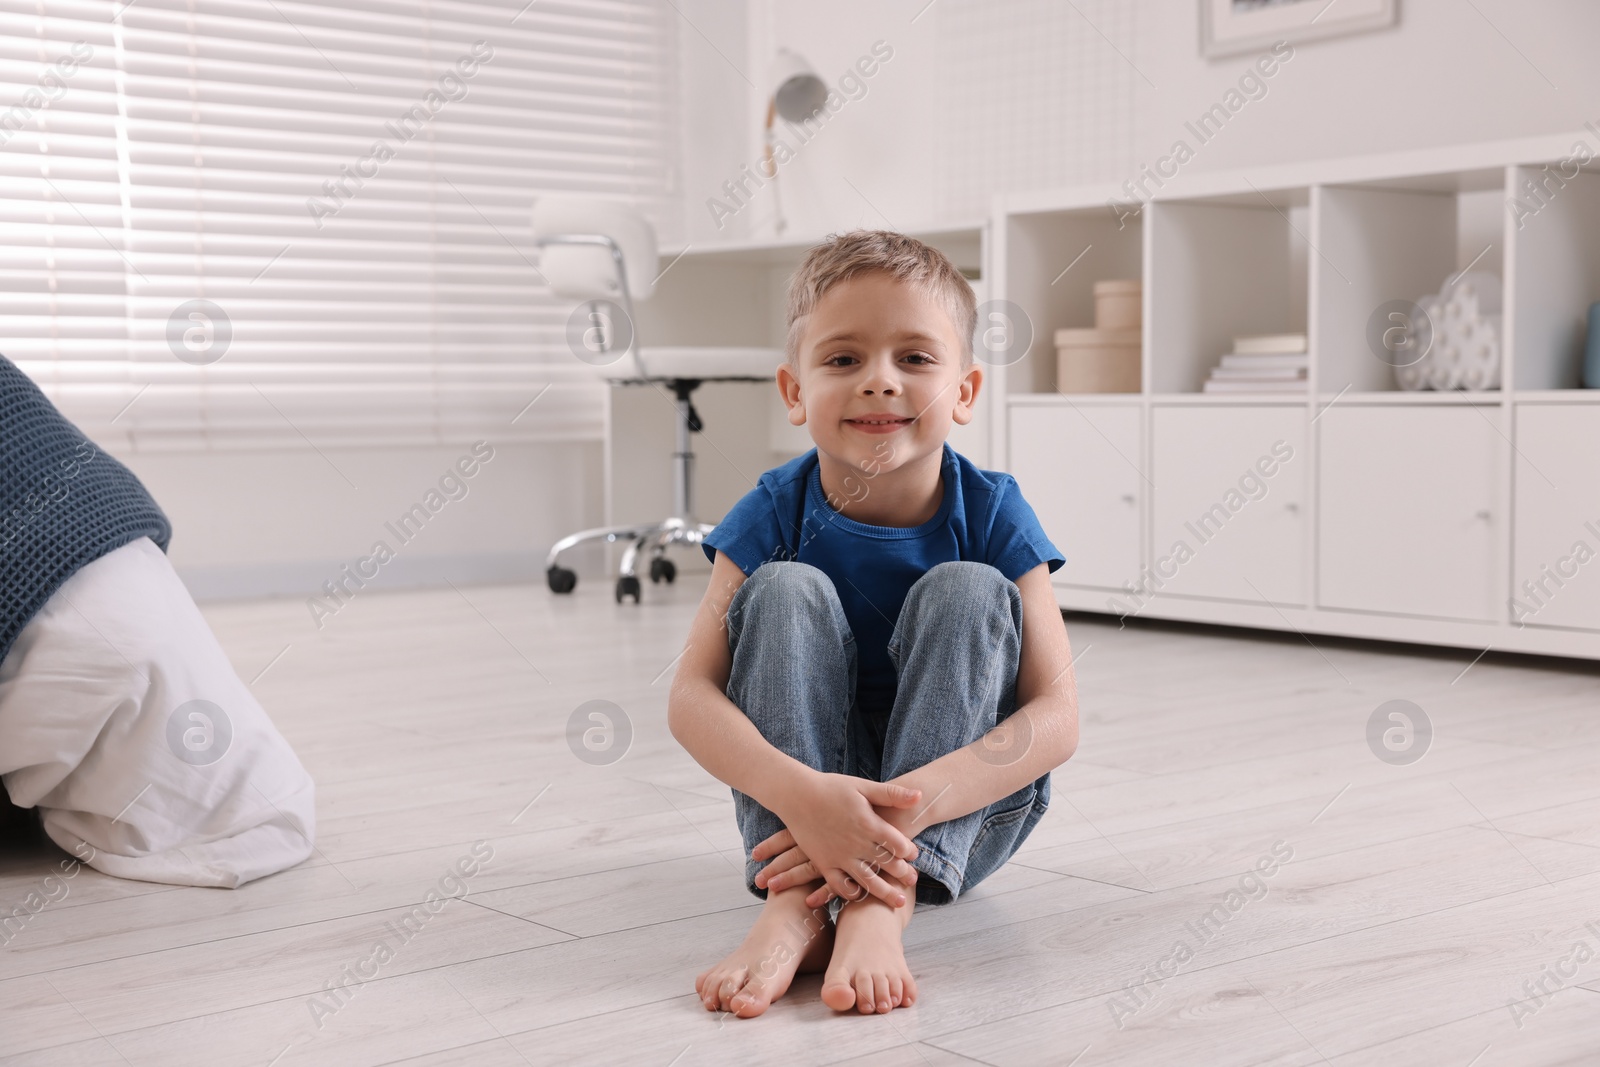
x=1117 y=305
x=1097 y=361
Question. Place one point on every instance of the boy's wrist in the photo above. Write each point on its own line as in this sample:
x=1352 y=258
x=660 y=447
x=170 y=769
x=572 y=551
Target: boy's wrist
x=902 y=819
x=913 y=820
x=791 y=783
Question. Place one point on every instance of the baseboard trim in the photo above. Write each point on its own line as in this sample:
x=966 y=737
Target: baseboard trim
x=304 y=578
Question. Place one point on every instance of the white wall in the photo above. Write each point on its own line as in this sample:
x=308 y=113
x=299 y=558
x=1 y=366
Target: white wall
x=1028 y=94
x=1450 y=72
x=717 y=91
x=283 y=522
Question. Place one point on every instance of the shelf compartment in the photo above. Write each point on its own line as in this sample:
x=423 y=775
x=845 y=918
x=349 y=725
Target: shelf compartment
x=1053 y=259
x=1387 y=242
x=1221 y=268
x=1555 y=237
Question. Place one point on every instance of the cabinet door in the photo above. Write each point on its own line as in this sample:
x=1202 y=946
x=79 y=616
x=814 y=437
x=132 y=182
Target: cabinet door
x=1229 y=495
x=1556 y=545
x=1078 y=468
x=1406 y=510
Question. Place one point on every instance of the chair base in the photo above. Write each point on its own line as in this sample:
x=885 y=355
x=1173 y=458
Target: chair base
x=655 y=536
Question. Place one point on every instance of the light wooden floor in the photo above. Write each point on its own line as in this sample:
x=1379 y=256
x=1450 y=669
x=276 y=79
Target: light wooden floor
x=1418 y=901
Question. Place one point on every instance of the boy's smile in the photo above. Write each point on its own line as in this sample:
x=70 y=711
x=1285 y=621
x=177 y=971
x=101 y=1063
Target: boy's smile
x=879 y=383
x=878 y=422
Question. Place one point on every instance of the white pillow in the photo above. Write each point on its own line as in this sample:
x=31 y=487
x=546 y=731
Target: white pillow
x=149 y=758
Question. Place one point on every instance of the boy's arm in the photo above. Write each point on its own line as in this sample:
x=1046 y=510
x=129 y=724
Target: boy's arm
x=713 y=730
x=1039 y=736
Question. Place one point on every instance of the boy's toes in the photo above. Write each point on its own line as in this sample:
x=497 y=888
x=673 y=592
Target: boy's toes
x=706 y=986
x=750 y=1001
x=837 y=992
x=717 y=986
x=735 y=992
x=865 y=1003
x=880 y=986
x=896 y=990
x=730 y=987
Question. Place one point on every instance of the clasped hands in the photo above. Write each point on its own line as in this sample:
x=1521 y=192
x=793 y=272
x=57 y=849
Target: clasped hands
x=848 y=831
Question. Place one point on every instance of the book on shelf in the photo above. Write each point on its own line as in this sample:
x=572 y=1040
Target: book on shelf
x=1270 y=344
x=1228 y=385
x=1242 y=360
x=1263 y=374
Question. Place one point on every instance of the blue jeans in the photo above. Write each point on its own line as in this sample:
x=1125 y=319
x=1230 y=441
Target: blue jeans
x=955 y=649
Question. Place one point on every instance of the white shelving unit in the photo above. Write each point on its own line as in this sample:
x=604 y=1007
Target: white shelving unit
x=1354 y=508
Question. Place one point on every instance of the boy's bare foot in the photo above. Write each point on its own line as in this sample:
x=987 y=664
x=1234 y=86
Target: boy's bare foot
x=786 y=937
x=868 y=969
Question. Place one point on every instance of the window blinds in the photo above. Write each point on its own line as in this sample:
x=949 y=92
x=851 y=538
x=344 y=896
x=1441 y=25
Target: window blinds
x=250 y=223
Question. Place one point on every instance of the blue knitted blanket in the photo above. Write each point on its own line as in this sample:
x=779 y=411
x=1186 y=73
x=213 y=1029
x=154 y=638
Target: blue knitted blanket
x=63 y=503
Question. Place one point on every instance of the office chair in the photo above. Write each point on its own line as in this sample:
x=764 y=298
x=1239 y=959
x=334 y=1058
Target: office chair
x=595 y=250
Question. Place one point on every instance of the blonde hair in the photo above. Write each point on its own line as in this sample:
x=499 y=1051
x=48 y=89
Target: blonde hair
x=841 y=257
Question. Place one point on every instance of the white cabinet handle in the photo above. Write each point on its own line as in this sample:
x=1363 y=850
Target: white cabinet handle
x=1292 y=506
x=1129 y=498
x=1482 y=514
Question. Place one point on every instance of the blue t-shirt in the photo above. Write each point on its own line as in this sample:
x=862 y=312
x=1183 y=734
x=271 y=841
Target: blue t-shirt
x=983 y=517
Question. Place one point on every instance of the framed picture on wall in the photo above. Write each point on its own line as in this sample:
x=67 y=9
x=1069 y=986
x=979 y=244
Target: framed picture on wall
x=1228 y=27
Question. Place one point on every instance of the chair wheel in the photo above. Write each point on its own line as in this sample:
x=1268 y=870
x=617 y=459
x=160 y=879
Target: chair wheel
x=561 y=580
x=628 y=585
x=663 y=569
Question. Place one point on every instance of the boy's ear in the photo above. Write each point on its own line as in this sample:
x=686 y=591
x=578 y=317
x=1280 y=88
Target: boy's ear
x=789 y=389
x=967 y=395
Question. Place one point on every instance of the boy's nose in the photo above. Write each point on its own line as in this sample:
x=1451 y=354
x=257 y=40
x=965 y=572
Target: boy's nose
x=879 y=381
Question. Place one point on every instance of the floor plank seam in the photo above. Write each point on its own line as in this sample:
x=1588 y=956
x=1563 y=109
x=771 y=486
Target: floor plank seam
x=1202 y=819
x=301 y=996
x=966 y=1055
x=452 y=1048
x=1435 y=1026
x=620 y=929
x=1483 y=825
x=232 y=937
x=531 y=922
x=1477 y=824
x=545 y=830
x=1079 y=877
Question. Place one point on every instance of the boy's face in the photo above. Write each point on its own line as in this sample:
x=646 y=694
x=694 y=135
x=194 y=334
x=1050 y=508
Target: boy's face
x=874 y=345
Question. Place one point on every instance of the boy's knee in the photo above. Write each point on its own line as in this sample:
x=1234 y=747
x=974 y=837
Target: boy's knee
x=786 y=587
x=788 y=579
x=960 y=596
x=966 y=580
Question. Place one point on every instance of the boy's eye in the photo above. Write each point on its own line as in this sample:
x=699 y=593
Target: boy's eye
x=833 y=361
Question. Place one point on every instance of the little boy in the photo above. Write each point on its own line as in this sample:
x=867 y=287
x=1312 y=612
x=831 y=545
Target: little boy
x=879 y=668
